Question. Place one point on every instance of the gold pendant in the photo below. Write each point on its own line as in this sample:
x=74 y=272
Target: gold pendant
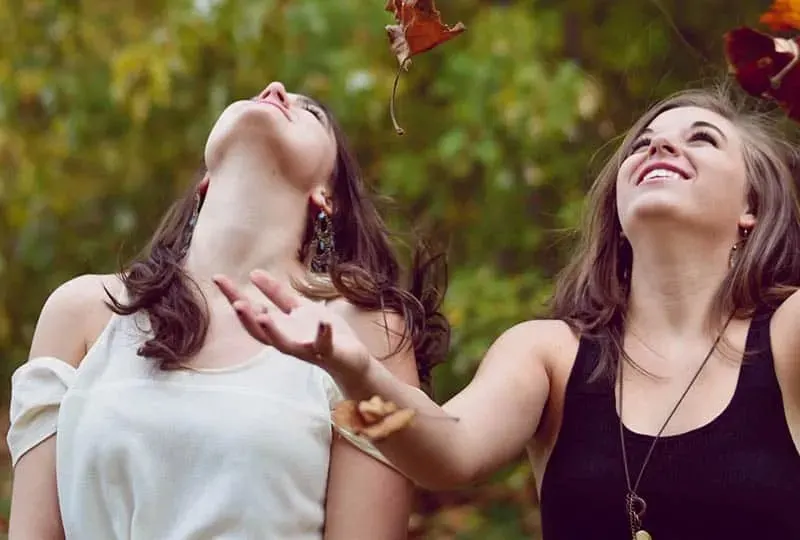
x=642 y=535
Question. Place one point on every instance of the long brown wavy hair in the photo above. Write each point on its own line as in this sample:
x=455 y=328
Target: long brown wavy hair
x=591 y=293
x=366 y=270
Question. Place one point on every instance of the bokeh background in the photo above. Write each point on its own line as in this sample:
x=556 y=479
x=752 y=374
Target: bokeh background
x=105 y=107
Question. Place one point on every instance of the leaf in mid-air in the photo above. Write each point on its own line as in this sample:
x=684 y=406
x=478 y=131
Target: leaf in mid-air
x=418 y=28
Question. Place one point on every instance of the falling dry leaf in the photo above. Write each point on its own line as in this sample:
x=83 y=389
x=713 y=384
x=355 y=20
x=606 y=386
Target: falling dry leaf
x=375 y=419
x=766 y=66
x=418 y=28
x=783 y=15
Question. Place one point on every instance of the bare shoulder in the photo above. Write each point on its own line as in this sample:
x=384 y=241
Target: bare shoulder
x=359 y=317
x=785 y=337
x=382 y=332
x=785 y=333
x=786 y=322
x=72 y=317
x=544 y=341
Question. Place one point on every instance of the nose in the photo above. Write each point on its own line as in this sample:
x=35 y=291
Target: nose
x=662 y=145
x=277 y=91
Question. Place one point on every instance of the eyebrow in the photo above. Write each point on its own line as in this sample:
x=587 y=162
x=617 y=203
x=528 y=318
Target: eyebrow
x=695 y=125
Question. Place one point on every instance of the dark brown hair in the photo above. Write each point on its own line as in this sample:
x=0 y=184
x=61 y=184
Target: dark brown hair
x=366 y=271
x=591 y=293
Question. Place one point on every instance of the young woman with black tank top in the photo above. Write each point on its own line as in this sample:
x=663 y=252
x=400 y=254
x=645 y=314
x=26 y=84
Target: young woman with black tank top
x=662 y=400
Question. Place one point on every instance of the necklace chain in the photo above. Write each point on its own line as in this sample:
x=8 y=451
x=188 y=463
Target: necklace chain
x=636 y=505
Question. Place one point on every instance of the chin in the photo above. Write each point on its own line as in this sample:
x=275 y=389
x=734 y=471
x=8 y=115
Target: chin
x=242 y=122
x=655 y=206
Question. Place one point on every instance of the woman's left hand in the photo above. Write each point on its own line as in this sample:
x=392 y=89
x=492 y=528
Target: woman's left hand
x=299 y=327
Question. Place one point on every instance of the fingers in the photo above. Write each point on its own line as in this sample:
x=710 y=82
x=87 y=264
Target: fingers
x=282 y=296
x=228 y=289
x=242 y=307
x=323 y=345
x=278 y=337
x=248 y=318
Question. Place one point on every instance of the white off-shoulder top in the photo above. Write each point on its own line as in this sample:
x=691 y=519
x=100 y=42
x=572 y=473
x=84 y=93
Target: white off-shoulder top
x=143 y=454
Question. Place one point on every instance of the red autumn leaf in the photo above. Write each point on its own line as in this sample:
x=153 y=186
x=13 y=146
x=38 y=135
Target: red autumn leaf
x=783 y=15
x=766 y=66
x=418 y=28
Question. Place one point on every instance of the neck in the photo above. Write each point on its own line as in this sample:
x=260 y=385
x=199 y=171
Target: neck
x=674 y=279
x=251 y=218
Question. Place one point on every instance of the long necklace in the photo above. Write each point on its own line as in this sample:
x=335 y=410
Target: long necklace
x=635 y=504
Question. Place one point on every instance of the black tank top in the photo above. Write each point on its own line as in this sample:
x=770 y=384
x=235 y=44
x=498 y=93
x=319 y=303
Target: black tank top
x=736 y=478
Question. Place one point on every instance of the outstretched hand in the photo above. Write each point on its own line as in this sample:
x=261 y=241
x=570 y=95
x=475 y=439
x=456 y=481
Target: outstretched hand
x=298 y=327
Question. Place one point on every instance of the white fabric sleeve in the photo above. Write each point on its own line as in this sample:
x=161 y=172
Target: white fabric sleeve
x=37 y=388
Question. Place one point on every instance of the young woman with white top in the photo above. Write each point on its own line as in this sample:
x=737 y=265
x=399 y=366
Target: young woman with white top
x=146 y=412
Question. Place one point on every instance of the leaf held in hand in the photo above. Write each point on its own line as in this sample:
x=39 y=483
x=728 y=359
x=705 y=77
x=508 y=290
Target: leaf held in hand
x=766 y=66
x=418 y=28
x=783 y=15
x=375 y=419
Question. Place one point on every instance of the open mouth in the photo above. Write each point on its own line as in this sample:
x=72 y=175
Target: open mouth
x=661 y=172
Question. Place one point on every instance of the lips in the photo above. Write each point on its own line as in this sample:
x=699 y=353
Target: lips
x=274 y=103
x=661 y=171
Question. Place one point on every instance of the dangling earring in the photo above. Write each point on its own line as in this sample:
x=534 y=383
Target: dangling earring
x=626 y=270
x=322 y=244
x=187 y=241
x=732 y=259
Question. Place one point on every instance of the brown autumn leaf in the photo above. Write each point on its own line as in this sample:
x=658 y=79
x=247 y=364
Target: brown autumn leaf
x=418 y=28
x=390 y=424
x=374 y=420
x=783 y=15
x=766 y=67
x=375 y=409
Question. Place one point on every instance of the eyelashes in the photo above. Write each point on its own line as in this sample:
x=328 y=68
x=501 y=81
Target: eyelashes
x=702 y=135
x=699 y=135
x=314 y=110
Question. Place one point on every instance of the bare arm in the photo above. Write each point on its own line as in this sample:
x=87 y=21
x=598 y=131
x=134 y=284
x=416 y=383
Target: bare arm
x=61 y=333
x=786 y=348
x=366 y=498
x=498 y=413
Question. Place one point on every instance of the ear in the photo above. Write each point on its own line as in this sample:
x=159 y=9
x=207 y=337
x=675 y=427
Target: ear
x=747 y=221
x=319 y=197
x=202 y=187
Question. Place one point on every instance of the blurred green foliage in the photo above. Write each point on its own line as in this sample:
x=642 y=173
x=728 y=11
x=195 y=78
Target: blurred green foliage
x=105 y=107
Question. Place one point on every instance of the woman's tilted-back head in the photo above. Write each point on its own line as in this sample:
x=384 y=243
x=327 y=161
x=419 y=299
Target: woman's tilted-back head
x=292 y=133
x=343 y=243
x=698 y=163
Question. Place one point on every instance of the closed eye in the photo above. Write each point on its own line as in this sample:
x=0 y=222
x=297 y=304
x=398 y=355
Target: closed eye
x=701 y=135
x=316 y=111
x=643 y=142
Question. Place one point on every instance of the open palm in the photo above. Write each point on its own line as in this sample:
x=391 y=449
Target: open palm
x=301 y=328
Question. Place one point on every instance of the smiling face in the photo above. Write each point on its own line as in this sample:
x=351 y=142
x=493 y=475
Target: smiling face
x=686 y=165
x=291 y=131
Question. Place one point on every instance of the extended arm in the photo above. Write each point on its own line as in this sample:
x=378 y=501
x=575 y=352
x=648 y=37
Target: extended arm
x=497 y=414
